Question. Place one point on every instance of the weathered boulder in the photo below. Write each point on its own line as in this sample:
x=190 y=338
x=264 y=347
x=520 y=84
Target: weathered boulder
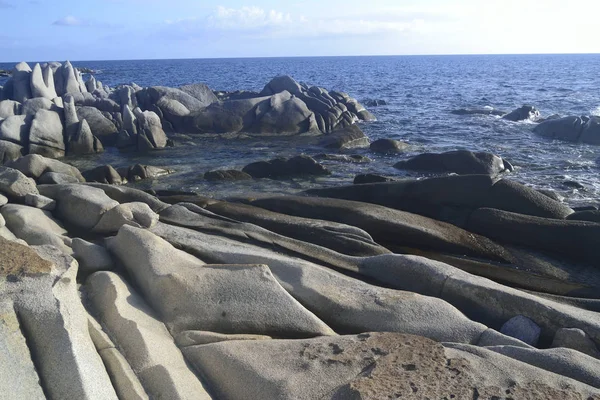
x=523 y=113
x=21 y=76
x=149 y=125
x=196 y=338
x=14 y=184
x=32 y=106
x=145 y=341
x=342 y=238
x=56 y=178
x=36 y=227
x=10 y=151
x=373 y=366
x=283 y=113
x=42 y=82
x=522 y=328
x=348 y=137
x=226 y=175
x=35 y=165
x=91 y=257
x=124 y=194
x=84 y=141
x=284 y=168
x=461 y=162
x=39 y=201
x=576 y=339
x=46 y=136
x=104 y=174
x=102 y=127
x=251 y=300
x=574 y=240
x=16 y=129
x=388 y=146
x=201 y=92
x=80 y=205
x=9 y=108
x=135 y=214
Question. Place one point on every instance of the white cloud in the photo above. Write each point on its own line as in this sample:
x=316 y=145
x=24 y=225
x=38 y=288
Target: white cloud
x=70 y=20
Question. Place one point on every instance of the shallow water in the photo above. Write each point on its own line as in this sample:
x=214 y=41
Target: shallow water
x=420 y=92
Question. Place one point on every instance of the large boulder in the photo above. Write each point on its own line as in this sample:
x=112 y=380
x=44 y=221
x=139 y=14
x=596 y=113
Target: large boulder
x=388 y=146
x=460 y=162
x=349 y=137
x=79 y=205
x=284 y=114
x=136 y=214
x=16 y=129
x=226 y=175
x=285 y=168
x=10 y=151
x=14 y=184
x=35 y=165
x=21 y=76
x=201 y=92
x=8 y=108
x=84 y=141
x=573 y=129
x=32 y=106
x=46 y=136
x=150 y=126
x=42 y=82
x=102 y=127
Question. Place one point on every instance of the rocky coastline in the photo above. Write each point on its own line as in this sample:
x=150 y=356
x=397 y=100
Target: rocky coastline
x=467 y=285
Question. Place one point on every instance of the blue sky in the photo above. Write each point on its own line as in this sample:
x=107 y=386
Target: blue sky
x=140 y=29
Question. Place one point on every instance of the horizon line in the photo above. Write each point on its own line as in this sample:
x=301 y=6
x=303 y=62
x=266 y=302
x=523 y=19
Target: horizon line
x=305 y=56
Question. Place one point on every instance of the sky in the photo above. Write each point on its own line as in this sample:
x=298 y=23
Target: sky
x=39 y=30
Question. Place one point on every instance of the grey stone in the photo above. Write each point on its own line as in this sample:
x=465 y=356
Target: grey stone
x=129 y=121
x=347 y=138
x=239 y=298
x=151 y=127
x=576 y=339
x=14 y=184
x=71 y=118
x=104 y=174
x=92 y=257
x=196 y=338
x=36 y=227
x=10 y=151
x=460 y=162
x=32 y=106
x=3 y=200
x=102 y=127
x=523 y=113
x=143 y=338
x=16 y=129
x=226 y=175
x=42 y=82
x=79 y=205
x=388 y=146
x=84 y=142
x=9 y=108
x=201 y=92
x=35 y=165
x=21 y=76
x=39 y=201
x=522 y=328
x=136 y=214
x=52 y=178
x=124 y=194
x=46 y=136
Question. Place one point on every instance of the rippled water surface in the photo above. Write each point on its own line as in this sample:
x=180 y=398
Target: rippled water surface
x=420 y=92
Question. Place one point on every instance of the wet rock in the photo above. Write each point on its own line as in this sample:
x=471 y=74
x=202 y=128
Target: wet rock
x=352 y=158
x=461 y=162
x=371 y=178
x=522 y=328
x=104 y=174
x=523 y=113
x=349 y=137
x=375 y=103
x=226 y=175
x=589 y=215
x=138 y=172
x=284 y=168
x=478 y=111
x=388 y=146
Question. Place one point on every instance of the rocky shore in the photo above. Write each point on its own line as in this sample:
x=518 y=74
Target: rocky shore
x=463 y=286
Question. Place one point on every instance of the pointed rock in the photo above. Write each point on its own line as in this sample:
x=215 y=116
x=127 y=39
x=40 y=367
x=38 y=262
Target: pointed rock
x=40 y=83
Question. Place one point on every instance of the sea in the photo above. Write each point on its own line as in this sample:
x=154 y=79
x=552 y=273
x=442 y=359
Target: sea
x=419 y=94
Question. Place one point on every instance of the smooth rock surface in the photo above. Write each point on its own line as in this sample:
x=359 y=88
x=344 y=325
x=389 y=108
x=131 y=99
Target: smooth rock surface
x=14 y=184
x=522 y=328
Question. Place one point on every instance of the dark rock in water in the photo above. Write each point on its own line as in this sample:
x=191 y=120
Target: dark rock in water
x=523 y=113
x=370 y=178
x=392 y=229
x=375 y=103
x=352 y=158
x=104 y=174
x=4 y=73
x=388 y=146
x=551 y=194
x=349 y=137
x=548 y=118
x=574 y=240
x=283 y=168
x=461 y=162
x=138 y=172
x=572 y=129
x=451 y=198
x=226 y=175
x=589 y=215
x=236 y=95
x=586 y=208
x=344 y=239
x=573 y=184
x=478 y=111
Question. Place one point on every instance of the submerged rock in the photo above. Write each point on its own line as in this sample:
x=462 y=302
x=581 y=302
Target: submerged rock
x=461 y=162
x=388 y=146
x=284 y=168
x=226 y=175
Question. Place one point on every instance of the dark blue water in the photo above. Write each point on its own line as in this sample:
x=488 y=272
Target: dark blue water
x=420 y=92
